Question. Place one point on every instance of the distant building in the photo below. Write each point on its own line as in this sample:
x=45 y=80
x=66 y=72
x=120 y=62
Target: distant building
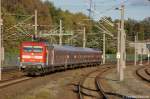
x=141 y=47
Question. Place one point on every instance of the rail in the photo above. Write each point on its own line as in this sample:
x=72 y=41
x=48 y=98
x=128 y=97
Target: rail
x=98 y=89
x=143 y=73
x=9 y=68
x=13 y=81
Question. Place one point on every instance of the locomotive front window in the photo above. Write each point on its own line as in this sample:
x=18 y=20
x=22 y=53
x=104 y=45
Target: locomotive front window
x=37 y=49
x=27 y=48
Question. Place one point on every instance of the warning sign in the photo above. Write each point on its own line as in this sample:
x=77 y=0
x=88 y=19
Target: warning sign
x=118 y=56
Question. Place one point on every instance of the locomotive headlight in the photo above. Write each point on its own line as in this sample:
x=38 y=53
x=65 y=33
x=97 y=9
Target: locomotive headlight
x=39 y=67
x=38 y=57
x=23 y=66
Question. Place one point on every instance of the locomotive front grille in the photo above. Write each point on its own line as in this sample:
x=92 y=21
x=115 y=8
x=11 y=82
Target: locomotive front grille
x=31 y=64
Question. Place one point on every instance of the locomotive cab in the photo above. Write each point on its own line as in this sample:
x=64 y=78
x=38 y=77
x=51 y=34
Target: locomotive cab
x=32 y=54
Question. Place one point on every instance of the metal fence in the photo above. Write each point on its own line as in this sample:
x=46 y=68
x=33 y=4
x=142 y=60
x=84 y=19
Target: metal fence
x=130 y=57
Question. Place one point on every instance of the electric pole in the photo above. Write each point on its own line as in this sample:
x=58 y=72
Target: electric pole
x=104 y=47
x=84 y=38
x=60 y=33
x=141 y=62
x=148 y=55
x=36 y=25
x=135 y=53
x=1 y=53
x=122 y=45
x=90 y=9
x=118 y=48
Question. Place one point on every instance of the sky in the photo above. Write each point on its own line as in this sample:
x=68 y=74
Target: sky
x=135 y=9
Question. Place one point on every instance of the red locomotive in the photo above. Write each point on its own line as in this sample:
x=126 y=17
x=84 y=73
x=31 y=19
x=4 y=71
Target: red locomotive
x=37 y=58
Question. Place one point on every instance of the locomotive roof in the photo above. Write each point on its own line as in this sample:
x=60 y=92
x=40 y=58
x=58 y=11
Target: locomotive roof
x=65 y=47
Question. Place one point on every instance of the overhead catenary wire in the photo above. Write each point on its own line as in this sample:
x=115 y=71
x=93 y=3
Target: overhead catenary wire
x=21 y=32
x=13 y=14
x=108 y=9
x=20 y=23
x=13 y=33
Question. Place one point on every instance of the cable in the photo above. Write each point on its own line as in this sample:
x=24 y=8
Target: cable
x=111 y=8
x=12 y=14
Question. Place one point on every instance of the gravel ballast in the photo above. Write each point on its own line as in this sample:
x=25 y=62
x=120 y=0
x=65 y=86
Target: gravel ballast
x=132 y=86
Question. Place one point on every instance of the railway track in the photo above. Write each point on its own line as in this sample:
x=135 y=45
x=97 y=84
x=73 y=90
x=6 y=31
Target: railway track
x=93 y=89
x=144 y=73
x=99 y=87
x=10 y=82
x=148 y=71
x=13 y=80
x=9 y=68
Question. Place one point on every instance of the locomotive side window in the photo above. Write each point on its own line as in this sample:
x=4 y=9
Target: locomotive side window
x=27 y=48
x=37 y=49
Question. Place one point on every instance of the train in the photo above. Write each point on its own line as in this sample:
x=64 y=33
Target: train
x=39 y=58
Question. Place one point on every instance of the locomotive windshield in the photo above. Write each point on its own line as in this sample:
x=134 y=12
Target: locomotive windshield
x=27 y=48
x=36 y=49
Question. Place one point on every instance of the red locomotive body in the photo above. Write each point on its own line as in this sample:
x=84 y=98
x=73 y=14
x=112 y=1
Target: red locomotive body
x=32 y=52
x=38 y=58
